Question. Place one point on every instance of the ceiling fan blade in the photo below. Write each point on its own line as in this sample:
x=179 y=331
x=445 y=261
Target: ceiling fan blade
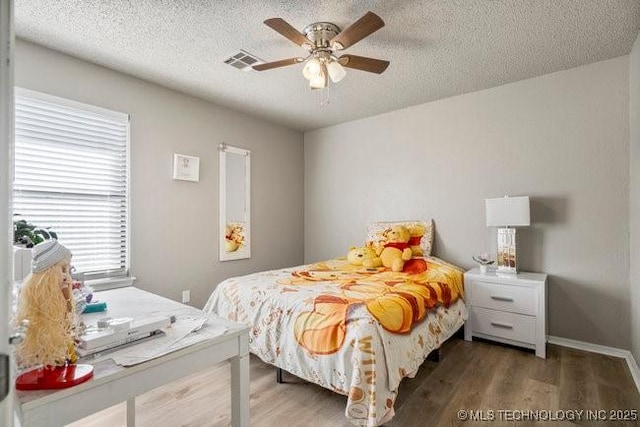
x=277 y=64
x=368 y=24
x=363 y=63
x=284 y=28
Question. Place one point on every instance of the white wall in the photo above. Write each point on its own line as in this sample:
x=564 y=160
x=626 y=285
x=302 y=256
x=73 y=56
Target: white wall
x=634 y=191
x=561 y=138
x=174 y=224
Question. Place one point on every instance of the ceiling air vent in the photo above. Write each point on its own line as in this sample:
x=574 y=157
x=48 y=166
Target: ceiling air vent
x=243 y=60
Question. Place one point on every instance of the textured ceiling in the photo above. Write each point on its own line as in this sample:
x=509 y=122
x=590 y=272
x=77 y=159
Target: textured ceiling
x=437 y=49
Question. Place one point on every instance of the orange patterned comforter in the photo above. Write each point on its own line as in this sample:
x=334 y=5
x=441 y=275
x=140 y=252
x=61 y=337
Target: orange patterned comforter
x=355 y=331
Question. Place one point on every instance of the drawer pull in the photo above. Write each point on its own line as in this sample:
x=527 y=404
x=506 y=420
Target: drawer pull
x=497 y=298
x=501 y=325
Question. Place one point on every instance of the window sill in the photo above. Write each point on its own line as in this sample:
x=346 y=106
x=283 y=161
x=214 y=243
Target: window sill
x=110 y=283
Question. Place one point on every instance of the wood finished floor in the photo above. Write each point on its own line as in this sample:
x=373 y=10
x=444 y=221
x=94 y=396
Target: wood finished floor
x=471 y=376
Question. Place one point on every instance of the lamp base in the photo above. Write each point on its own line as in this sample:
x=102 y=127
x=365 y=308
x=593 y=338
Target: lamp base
x=54 y=378
x=506 y=260
x=506 y=272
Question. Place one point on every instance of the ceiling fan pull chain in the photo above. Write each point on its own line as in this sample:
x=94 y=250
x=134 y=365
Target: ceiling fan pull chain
x=323 y=96
x=325 y=99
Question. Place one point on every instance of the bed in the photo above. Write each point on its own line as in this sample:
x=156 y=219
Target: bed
x=354 y=330
x=352 y=326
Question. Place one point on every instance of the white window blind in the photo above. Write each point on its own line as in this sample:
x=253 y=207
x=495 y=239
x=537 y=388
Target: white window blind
x=71 y=174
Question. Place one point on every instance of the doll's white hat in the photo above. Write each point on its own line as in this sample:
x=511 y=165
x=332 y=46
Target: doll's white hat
x=46 y=254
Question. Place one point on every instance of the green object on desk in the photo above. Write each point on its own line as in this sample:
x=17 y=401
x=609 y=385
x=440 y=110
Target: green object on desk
x=95 y=307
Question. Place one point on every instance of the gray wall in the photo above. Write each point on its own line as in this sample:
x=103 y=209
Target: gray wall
x=174 y=224
x=561 y=138
x=634 y=191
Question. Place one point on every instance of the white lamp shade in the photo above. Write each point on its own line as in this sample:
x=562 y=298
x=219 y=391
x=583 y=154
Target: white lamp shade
x=319 y=81
x=508 y=211
x=312 y=68
x=336 y=71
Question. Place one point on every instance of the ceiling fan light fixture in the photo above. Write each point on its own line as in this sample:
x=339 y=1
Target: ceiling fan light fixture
x=319 y=81
x=323 y=40
x=312 y=68
x=336 y=71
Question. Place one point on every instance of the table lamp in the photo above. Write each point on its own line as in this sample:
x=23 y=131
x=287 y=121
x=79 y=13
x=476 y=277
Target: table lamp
x=507 y=212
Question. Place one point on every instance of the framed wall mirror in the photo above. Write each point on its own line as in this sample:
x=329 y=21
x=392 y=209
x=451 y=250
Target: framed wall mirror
x=235 y=195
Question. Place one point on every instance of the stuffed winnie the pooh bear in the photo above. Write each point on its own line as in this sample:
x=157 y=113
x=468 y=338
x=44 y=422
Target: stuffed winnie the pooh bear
x=363 y=256
x=396 y=249
x=416 y=232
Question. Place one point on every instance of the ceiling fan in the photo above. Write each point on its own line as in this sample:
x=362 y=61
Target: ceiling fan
x=323 y=40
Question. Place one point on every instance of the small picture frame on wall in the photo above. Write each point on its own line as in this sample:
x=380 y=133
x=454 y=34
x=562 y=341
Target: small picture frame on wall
x=186 y=168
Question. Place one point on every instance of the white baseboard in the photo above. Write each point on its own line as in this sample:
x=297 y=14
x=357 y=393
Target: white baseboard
x=635 y=371
x=601 y=349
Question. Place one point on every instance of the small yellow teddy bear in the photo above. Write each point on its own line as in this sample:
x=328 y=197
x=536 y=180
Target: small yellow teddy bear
x=363 y=256
x=396 y=248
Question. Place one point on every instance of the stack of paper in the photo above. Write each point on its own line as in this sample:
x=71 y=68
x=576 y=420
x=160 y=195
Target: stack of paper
x=186 y=331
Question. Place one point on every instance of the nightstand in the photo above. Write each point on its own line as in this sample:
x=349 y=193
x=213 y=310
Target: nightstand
x=509 y=309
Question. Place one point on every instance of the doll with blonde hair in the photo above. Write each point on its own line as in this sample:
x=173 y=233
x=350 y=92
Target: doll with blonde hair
x=46 y=302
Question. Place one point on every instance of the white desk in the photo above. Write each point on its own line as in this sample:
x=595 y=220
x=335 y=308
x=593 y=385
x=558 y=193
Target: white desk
x=113 y=383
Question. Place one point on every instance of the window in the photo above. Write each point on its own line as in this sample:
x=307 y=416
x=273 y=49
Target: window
x=71 y=174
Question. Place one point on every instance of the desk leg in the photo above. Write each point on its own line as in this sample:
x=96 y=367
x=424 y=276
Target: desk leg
x=131 y=412
x=240 y=386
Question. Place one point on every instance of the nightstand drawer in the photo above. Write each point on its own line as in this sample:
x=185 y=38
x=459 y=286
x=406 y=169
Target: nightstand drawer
x=515 y=299
x=512 y=326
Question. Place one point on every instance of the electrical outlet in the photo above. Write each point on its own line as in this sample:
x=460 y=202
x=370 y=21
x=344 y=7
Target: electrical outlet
x=186 y=296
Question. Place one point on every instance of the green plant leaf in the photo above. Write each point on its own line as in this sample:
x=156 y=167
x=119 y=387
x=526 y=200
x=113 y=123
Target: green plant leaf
x=45 y=235
x=20 y=233
x=24 y=230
